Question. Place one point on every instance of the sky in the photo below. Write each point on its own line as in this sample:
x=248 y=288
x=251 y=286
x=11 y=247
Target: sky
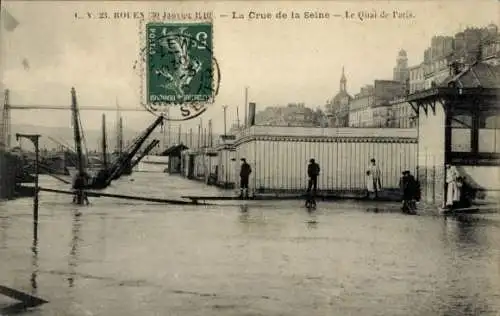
x=280 y=60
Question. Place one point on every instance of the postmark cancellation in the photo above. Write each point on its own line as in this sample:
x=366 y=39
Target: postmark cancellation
x=179 y=73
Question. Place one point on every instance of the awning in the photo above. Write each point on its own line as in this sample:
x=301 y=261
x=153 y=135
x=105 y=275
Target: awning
x=174 y=151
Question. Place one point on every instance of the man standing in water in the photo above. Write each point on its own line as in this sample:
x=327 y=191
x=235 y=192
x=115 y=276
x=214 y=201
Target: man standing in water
x=409 y=191
x=245 y=172
x=313 y=173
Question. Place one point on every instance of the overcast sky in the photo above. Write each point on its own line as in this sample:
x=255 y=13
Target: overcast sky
x=280 y=60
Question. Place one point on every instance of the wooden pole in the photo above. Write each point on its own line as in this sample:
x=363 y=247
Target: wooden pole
x=199 y=136
x=238 y=117
x=225 y=128
x=78 y=145
x=104 y=143
x=209 y=142
x=190 y=137
x=246 y=107
x=179 y=134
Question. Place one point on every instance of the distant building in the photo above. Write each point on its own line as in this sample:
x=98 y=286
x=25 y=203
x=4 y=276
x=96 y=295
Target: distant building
x=416 y=79
x=337 y=109
x=446 y=52
x=401 y=71
x=370 y=107
x=294 y=114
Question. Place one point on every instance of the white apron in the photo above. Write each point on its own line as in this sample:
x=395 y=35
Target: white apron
x=453 y=190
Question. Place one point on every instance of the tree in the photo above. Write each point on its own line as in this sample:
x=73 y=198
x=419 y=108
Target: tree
x=319 y=117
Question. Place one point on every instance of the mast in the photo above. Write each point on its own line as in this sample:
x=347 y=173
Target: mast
x=119 y=141
x=190 y=138
x=179 y=134
x=120 y=135
x=199 y=136
x=77 y=133
x=210 y=133
x=202 y=135
x=246 y=106
x=164 y=138
x=237 y=117
x=104 y=143
x=169 y=134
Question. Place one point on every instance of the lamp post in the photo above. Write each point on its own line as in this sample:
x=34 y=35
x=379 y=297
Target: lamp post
x=35 y=139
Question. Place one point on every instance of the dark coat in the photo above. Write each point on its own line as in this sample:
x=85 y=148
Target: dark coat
x=245 y=170
x=410 y=188
x=313 y=170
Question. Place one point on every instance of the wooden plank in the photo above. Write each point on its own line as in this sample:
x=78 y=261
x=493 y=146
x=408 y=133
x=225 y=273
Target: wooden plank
x=25 y=298
x=471 y=210
x=290 y=197
x=229 y=198
x=121 y=196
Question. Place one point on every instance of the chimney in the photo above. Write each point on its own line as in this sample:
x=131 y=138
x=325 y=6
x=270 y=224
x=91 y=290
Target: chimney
x=251 y=113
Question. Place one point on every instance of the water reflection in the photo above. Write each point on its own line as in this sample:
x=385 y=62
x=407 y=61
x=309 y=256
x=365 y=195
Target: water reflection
x=253 y=219
x=102 y=237
x=73 y=253
x=465 y=230
x=464 y=270
x=312 y=222
x=4 y=224
x=34 y=259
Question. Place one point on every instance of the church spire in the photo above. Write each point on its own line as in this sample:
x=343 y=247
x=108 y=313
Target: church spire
x=343 y=81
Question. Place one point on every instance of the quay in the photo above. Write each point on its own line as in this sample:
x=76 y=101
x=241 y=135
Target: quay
x=120 y=257
x=279 y=155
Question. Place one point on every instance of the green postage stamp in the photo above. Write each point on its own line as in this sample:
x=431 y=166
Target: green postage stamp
x=180 y=68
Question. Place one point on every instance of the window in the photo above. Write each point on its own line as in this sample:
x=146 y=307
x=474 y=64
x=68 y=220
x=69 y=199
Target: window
x=461 y=132
x=461 y=120
x=489 y=132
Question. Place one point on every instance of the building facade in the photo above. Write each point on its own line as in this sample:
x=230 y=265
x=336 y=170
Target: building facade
x=416 y=79
x=371 y=108
x=337 y=108
x=459 y=124
x=401 y=71
x=465 y=48
x=294 y=114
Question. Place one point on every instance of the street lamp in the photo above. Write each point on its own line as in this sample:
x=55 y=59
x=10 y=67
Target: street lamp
x=34 y=138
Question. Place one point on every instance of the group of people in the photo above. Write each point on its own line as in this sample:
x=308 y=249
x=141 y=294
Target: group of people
x=410 y=188
x=408 y=185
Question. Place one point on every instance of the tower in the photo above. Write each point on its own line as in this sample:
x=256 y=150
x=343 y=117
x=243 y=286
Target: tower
x=401 y=71
x=343 y=81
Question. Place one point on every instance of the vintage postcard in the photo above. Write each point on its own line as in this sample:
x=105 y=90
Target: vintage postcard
x=250 y=157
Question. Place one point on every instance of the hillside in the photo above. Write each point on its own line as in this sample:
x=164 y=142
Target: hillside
x=93 y=137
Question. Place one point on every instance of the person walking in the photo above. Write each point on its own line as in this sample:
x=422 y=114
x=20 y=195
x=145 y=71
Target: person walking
x=373 y=178
x=245 y=172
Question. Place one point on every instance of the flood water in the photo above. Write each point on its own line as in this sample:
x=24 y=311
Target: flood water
x=269 y=258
